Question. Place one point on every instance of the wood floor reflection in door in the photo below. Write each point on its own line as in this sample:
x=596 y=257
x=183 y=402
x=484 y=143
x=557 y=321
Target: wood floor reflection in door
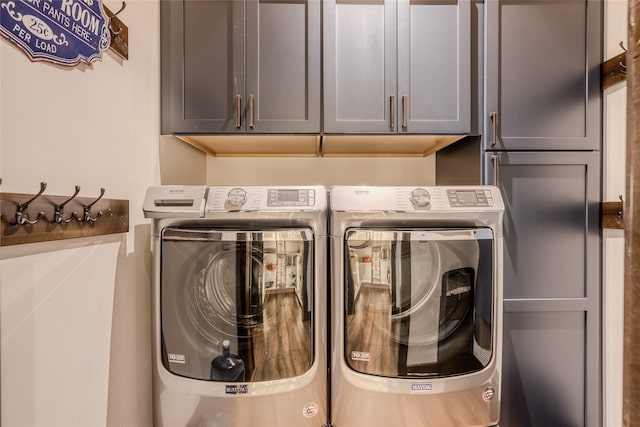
x=282 y=343
x=370 y=347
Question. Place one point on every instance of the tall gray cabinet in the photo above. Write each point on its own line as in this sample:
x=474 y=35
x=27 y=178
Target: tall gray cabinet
x=542 y=138
x=397 y=66
x=240 y=66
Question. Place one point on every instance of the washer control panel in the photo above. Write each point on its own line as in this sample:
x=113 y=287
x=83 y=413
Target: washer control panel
x=470 y=198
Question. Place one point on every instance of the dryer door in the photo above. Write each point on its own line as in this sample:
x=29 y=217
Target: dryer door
x=236 y=305
x=419 y=303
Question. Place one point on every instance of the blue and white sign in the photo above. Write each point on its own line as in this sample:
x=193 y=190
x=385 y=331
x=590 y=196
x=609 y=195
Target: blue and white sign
x=65 y=32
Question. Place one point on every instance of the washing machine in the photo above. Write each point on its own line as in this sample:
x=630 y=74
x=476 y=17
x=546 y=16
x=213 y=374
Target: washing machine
x=416 y=292
x=239 y=306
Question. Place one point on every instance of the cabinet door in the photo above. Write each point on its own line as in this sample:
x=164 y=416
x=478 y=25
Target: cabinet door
x=360 y=66
x=542 y=74
x=434 y=66
x=552 y=324
x=283 y=66
x=202 y=66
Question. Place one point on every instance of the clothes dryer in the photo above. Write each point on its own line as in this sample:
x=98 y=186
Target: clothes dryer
x=239 y=302
x=416 y=301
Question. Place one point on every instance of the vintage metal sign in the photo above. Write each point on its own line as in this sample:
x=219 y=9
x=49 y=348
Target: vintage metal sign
x=64 y=32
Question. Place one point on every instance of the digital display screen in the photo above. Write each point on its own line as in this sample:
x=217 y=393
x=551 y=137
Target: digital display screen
x=467 y=196
x=288 y=196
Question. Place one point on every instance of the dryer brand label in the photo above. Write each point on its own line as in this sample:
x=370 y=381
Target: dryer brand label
x=176 y=358
x=236 y=389
x=363 y=356
x=422 y=387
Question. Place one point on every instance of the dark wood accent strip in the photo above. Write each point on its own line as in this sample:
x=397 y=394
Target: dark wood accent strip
x=631 y=364
x=114 y=219
x=614 y=70
x=612 y=215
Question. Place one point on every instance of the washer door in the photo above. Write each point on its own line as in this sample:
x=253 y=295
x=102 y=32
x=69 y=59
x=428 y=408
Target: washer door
x=236 y=305
x=418 y=302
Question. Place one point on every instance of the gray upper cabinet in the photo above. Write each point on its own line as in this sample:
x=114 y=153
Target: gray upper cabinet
x=397 y=66
x=240 y=66
x=542 y=74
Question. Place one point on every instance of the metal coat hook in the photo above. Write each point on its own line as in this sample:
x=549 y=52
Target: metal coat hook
x=622 y=65
x=58 y=217
x=113 y=31
x=21 y=216
x=621 y=211
x=86 y=215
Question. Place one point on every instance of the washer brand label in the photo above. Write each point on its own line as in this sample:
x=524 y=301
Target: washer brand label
x=176 y=358
x=422 y=387
x=310 y=410
x=363 y=356
x=236 y=389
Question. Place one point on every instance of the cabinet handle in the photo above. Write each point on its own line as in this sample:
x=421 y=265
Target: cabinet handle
x=250 y=113
x=392 y=104
x=405 y=118
x=238 y=102
x=494 y=124
x=494 y=160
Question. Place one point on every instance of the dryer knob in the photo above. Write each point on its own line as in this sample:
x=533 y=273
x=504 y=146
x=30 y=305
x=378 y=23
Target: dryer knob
x=237 y=197
x=420 y=198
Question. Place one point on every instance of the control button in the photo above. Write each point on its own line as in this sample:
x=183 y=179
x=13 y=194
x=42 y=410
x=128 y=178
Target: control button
x=237 y=197
x=420 y=198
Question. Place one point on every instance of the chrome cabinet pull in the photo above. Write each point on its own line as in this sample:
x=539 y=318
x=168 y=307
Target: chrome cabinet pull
x=250 y=113
x=494 y=160
x=405 y=117
x=392 y=104
x=238 y=102
x=494 y=124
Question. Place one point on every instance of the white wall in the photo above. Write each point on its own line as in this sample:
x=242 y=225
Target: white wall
x=94 y=127
x=615 y=105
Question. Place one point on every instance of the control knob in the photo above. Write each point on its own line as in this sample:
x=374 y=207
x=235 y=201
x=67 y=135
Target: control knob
x=237 y=197
x=420 y=198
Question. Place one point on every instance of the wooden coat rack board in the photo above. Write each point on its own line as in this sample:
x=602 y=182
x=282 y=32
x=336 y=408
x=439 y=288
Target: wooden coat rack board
x=612 y=215
x=614 y=70
x=26 y=218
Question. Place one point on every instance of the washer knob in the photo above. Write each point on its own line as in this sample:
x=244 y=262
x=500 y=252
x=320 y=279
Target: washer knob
x=237 y=197
x=420 y=198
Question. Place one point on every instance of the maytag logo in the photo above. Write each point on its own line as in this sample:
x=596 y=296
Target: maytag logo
x=176 y=190
x=362 y=192
x=236 y=389
x=176 y=358
x=422 y=387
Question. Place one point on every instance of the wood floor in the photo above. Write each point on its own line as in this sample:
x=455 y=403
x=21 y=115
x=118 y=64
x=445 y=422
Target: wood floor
x=370 y=346
x=282 y=344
